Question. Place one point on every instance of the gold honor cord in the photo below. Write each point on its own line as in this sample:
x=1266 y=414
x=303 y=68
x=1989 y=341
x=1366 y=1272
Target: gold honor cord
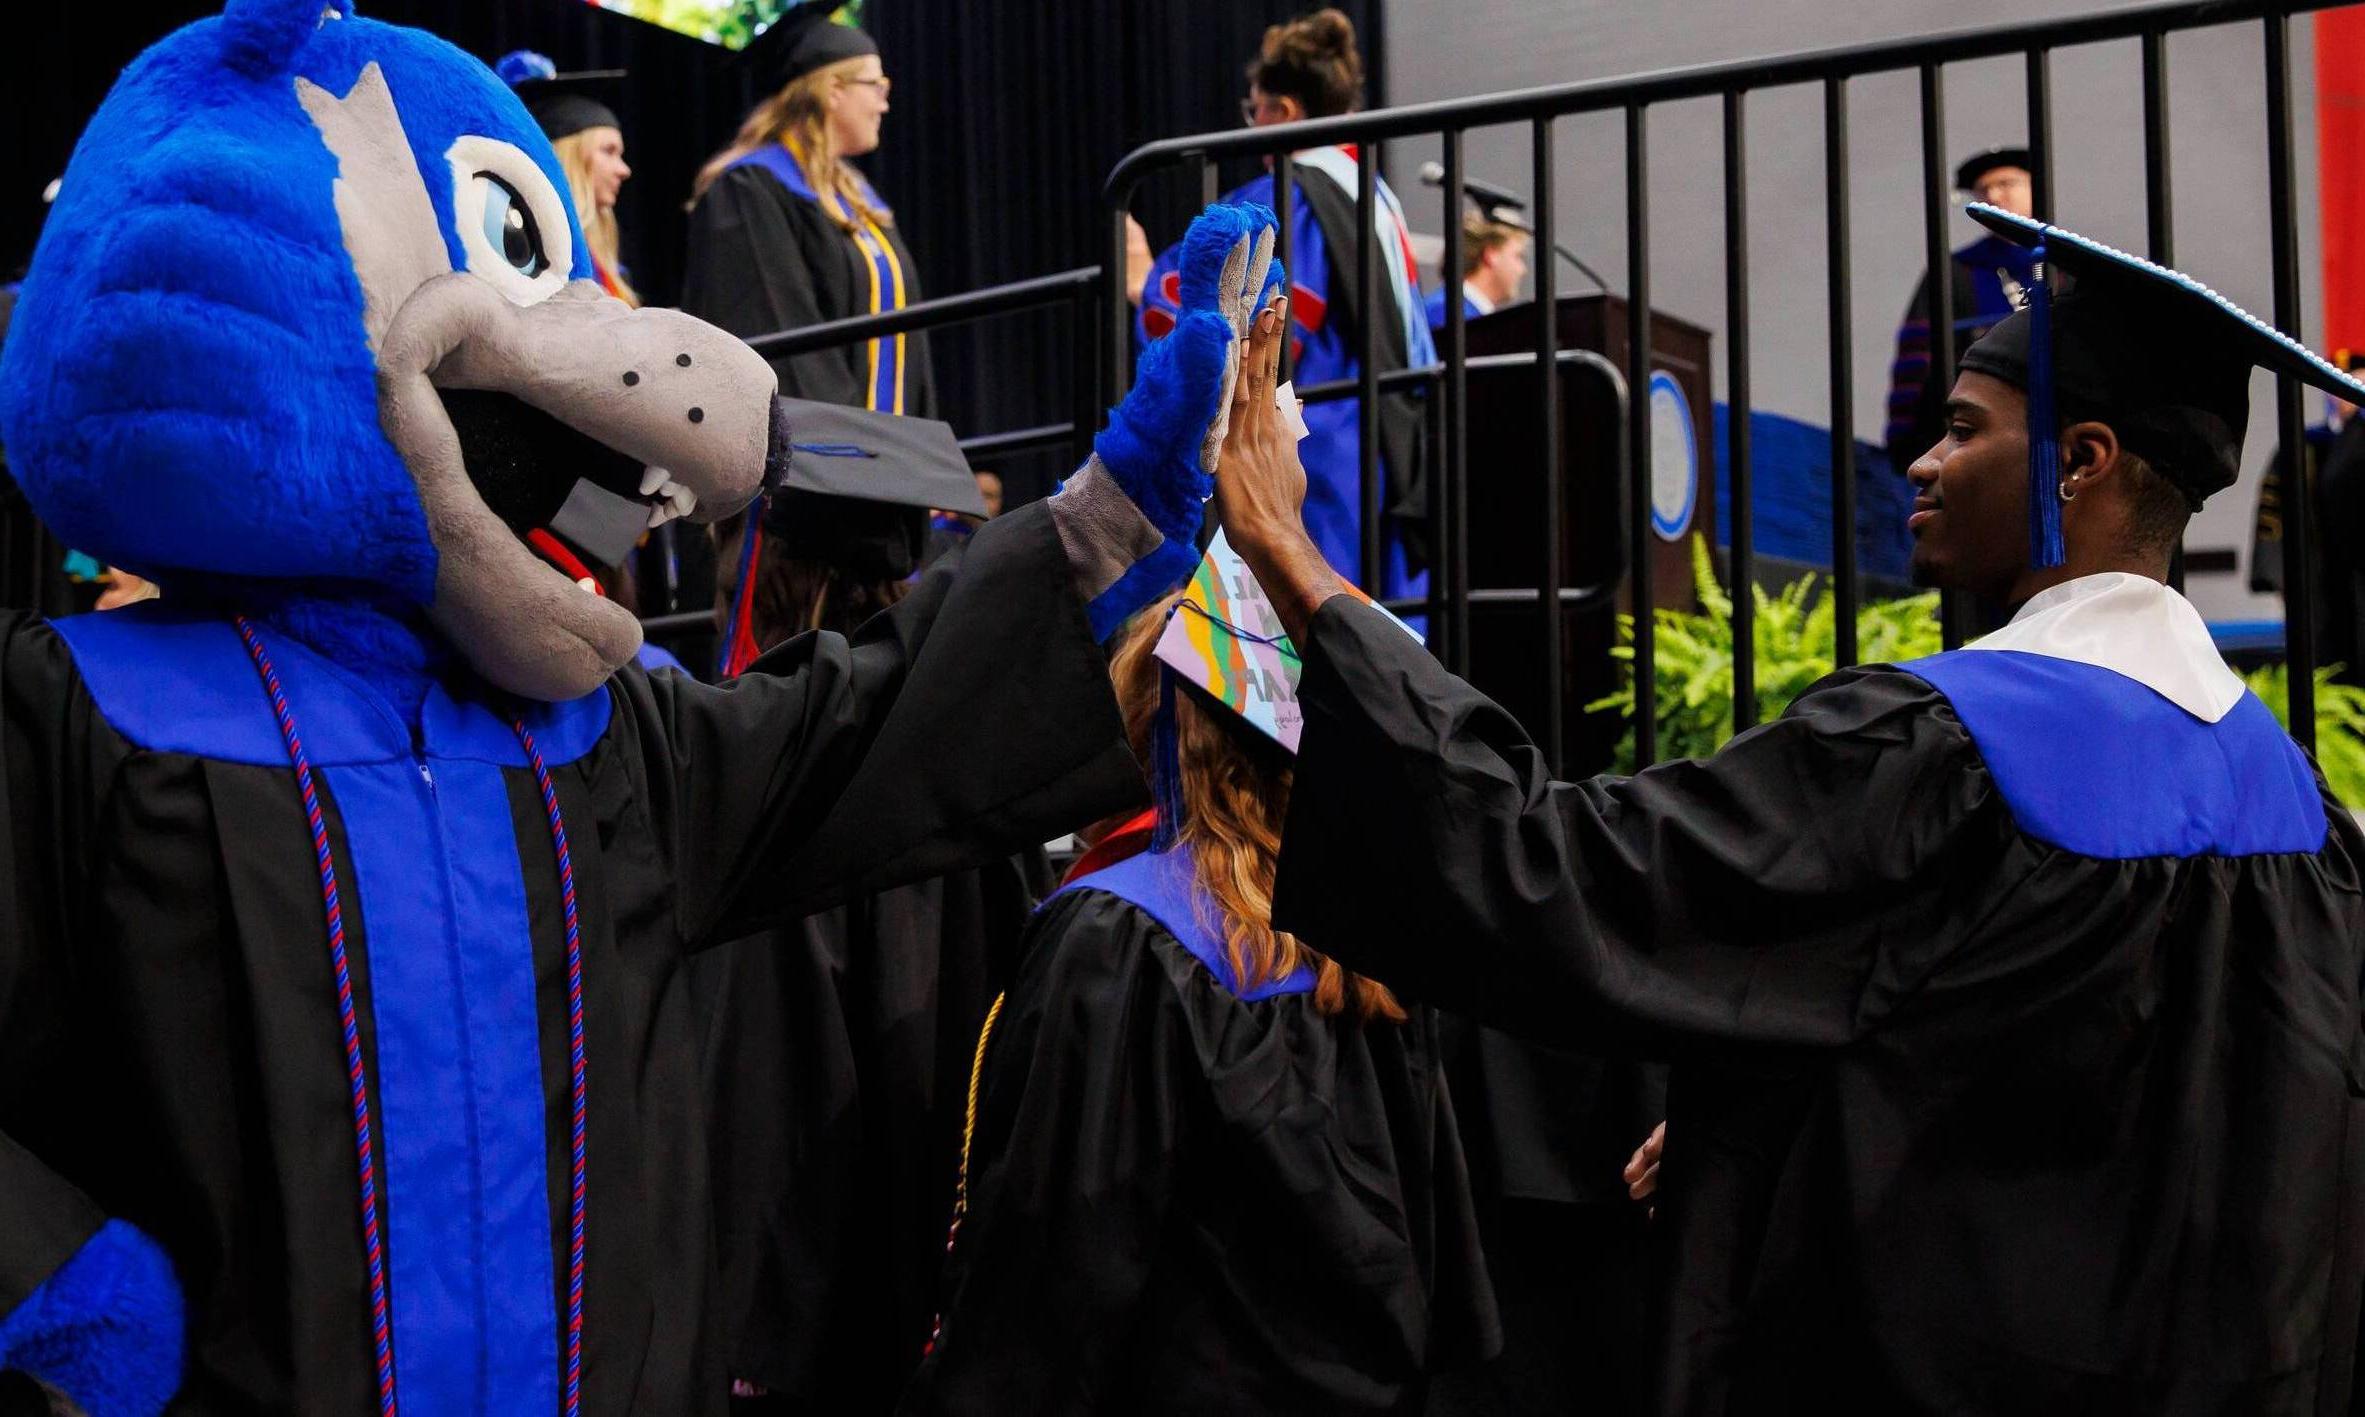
x=985 y=1037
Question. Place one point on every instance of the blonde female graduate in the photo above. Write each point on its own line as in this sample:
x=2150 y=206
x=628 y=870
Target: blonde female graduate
x=785 y=232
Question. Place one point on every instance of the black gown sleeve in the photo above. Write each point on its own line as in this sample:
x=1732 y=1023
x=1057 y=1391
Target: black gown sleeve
x=756 y=261
x=1782 y=892
x=1086 y=1110
x=972 y=720
x=44 y=744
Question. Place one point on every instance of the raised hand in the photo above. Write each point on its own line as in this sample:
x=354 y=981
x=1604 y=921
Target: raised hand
x=1163 y=442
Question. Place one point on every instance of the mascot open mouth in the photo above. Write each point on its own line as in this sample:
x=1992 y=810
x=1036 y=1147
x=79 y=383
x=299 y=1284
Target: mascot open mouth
x=579 y=503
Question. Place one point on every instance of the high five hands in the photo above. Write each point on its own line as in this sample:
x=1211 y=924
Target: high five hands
x=1260 y=487
x=1162 y=442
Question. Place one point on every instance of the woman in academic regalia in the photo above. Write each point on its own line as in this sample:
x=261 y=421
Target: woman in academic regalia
x=1311 y=68
x=837 y=1048
x=1210 y=1170
x=785 y=232
x=577 y=113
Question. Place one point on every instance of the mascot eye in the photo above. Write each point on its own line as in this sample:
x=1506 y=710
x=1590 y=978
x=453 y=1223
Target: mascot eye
x=510 y=228
x=510 y=219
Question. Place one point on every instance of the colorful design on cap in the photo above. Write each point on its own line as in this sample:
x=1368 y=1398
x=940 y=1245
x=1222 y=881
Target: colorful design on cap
x=1225 y=637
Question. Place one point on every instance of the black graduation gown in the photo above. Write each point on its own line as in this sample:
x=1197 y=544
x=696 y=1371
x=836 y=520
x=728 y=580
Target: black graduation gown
x=837 y=1067
x=169 y=1049
x=1182 y=1202
x=763 y=258
x=1964 y=1121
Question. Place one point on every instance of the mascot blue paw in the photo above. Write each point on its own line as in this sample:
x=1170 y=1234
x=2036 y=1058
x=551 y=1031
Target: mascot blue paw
x=105 y=1329
x=1162 y=441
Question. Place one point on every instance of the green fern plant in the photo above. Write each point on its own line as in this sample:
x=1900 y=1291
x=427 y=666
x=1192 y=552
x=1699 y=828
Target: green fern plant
x=2340 y=725
x=1794 y=646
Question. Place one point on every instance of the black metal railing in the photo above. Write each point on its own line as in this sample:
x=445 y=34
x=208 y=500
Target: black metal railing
x=1833 y=70
x=1096 y=298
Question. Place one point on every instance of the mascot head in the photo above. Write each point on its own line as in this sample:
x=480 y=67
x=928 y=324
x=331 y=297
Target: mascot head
x=313 y=314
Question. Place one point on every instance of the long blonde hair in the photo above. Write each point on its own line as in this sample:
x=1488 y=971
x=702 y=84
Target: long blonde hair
x=798 y=116
x=1235 y=795
x=600 y=231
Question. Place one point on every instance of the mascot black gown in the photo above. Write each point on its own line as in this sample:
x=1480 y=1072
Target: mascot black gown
x=344 y=1058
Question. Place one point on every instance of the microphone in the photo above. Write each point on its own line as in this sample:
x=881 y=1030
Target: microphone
x=1487 y=194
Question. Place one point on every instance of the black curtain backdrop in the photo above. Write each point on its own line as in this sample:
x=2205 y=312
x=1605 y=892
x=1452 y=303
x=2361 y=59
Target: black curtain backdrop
x=1006 y=120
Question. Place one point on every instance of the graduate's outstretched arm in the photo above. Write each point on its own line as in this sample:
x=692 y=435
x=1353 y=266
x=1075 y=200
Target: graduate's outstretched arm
x=88 y=1306
x=1784 y=892
x=1747 y=898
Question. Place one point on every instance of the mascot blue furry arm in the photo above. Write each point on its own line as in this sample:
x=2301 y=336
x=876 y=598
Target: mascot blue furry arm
x=343 y=890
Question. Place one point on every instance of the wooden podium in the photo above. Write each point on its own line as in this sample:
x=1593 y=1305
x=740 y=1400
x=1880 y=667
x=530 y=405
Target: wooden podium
x=1506 y=504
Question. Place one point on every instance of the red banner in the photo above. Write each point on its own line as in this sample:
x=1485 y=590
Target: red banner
x=2340 y=139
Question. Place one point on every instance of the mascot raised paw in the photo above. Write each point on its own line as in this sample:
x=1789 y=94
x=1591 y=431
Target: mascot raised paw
x=344 y=889
x=1161 y=443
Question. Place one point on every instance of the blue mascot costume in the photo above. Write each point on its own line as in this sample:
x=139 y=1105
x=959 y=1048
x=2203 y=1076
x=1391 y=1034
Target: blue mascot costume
x=343 y=1058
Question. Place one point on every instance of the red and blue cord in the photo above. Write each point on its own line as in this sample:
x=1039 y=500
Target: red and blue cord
x=373 y=1245
x=576 y=1131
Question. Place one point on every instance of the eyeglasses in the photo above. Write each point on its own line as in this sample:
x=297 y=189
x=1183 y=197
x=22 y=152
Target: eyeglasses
x=882 y=83
x=1248 y=110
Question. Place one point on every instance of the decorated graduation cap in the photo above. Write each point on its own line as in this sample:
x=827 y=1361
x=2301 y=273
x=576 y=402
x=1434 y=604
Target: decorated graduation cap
x=2161 y=358
x=1978 y=165
x=1224 y=639
x=562 y=104
x=805 y=37
x=855 y=494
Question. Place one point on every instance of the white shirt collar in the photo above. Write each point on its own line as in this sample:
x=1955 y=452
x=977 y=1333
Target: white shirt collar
x=1470 y=293
x=2131 y=625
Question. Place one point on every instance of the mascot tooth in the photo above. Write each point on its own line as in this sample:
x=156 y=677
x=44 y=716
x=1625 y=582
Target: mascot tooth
x=344 y=889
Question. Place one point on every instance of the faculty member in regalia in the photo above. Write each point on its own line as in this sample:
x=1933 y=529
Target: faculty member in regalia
x=1311 y=68
x=2014 y=991
x=785 y=231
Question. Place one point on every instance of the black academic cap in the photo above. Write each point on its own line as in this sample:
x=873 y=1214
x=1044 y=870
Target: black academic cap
x=2161 y=358
x=839 y=451
x=803 y=39
x=1503 y=211
x=562 y=105
x=1978 y=165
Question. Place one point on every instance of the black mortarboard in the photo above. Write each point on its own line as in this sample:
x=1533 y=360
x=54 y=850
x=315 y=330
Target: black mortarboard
x=1498 y=211
x=855 y=494
x=1978 y=165
x=803 y=39
x=839 y=451
x=562 y=105
x=2161 y=358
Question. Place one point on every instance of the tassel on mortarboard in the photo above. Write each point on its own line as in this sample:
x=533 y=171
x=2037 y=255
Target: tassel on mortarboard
x=2044 y=426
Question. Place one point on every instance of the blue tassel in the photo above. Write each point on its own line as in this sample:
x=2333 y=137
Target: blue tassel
x=2044 y=427
x=1166 y=770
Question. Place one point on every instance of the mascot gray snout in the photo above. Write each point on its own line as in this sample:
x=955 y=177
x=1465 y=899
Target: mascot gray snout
x=674 y=418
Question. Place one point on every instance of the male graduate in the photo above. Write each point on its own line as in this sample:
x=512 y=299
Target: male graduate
x=2015 y=990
